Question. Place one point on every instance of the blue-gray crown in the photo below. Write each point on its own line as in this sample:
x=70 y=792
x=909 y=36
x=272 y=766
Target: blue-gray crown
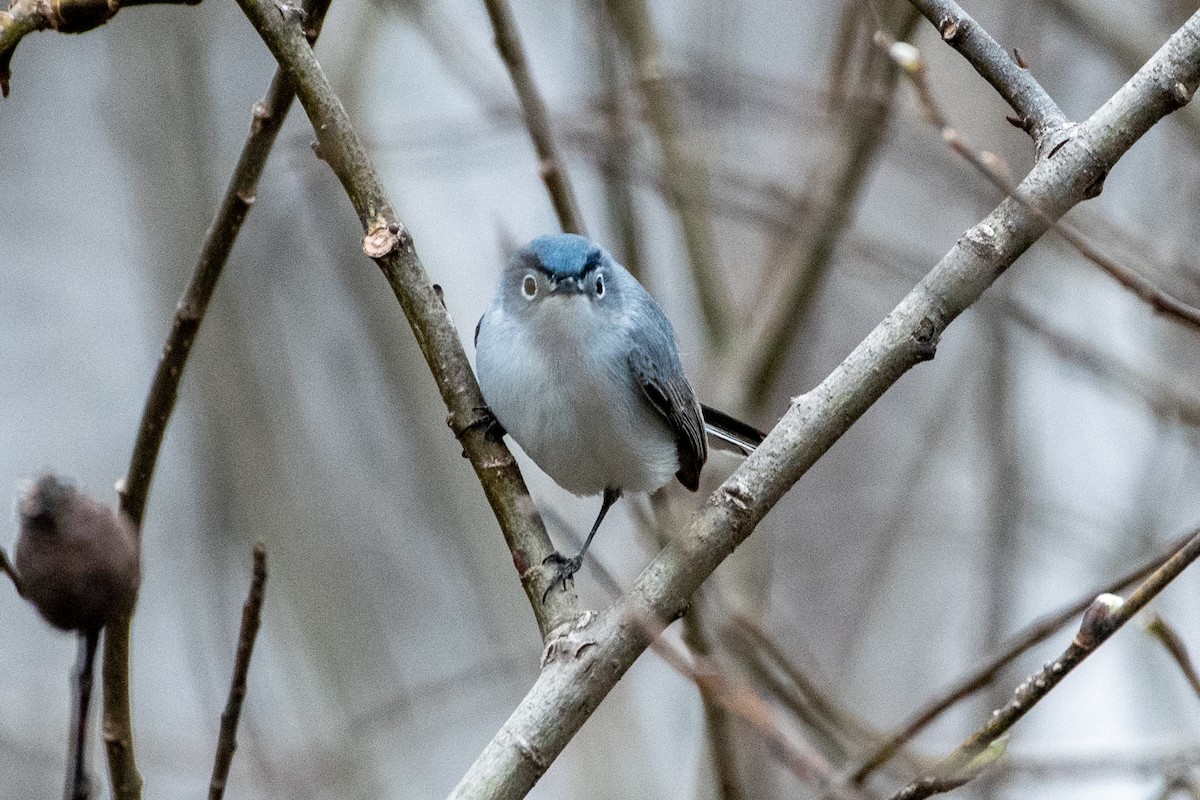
x=563 y=255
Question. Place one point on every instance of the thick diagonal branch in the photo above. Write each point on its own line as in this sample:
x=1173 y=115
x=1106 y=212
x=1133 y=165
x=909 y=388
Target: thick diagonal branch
x=389 y=244
x=572 y=685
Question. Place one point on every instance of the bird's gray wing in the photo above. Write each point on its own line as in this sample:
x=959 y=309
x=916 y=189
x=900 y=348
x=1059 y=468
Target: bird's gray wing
x=671 y=395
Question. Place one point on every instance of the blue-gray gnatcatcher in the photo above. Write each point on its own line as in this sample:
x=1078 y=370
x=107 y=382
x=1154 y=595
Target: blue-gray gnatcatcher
x=579 y=365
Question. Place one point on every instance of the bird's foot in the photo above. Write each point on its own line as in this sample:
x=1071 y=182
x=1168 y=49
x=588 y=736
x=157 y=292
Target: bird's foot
x=564 y=570
x=485 y=420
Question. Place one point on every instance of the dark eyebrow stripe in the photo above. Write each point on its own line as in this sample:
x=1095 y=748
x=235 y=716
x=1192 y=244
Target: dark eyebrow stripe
x=530 y=260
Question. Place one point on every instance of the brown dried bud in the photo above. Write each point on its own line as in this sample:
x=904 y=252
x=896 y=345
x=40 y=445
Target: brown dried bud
x=77 y=560
x=1097 y=620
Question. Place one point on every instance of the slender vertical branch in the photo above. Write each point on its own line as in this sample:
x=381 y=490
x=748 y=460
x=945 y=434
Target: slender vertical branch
x=684 y=174
x=863 y=125
x=390 y=245
x=721 y=744
x=251 y=618
x=134 y=489
x=78 y=781
x=537 y=120
x=617 y=147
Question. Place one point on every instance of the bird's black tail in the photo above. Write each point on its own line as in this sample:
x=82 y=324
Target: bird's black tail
x=730 y=430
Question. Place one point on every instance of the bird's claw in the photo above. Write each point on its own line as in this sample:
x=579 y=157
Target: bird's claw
x=564 y=571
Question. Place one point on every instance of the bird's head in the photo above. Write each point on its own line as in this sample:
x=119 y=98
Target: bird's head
x=43 y=500
x=561 y=266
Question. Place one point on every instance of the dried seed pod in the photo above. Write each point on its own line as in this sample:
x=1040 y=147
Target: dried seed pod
x=77 y=560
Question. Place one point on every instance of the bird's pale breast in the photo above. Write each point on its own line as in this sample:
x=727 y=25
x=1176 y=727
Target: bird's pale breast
x=561 y=387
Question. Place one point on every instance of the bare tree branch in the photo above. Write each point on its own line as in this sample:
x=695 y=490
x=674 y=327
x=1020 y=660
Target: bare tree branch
x=1037 y=113
x=23 y=17
x=615 y=154
x=1104 y=617
x=251 y=618
x=134 y=489
x=1033 y=635
x=1171 y=641
x=390 y=245
x=988 y=164
x=684 y=174
x=786 y=300
x=598 y=650
x=1127 y=40
x=537 y=119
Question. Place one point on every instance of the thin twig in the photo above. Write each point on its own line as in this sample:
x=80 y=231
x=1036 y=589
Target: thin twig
x=78 y=781
x=717 y=721
x=251 y=617
x=732 y=696
x=616 y=151
x=740 y=700
x=8 y=569
x=1104 y=617
x=67 y=16
x=575 y=682
x=1158 y=627
x=1126 y=39
x=1177 y=785
x=786 y=302
x=840 y=729
x=537 y=120
x=134 y=490
x=1034 y=634
x=1037 y=113
x=390 y=245
x=1173 y=401
x=988 y=164
x=684 y=174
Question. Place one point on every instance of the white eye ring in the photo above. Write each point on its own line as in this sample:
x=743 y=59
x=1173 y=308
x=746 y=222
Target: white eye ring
x=529 y=286
x=599 y=286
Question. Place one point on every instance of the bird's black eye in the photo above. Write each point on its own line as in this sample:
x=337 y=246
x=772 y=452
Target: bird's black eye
x=529 y=287
x=599 y=286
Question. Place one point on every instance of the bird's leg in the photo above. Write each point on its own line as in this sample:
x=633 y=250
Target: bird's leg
x=79 y=784
x=565 y=568
x=7 y=568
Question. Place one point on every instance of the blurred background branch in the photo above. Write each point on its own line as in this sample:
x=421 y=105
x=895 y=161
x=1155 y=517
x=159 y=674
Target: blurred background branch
x=683 y=171
x=551 y=168
x=1051 y=444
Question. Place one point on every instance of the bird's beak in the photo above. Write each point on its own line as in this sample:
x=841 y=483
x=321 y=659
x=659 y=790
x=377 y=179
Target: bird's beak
x=567 y=286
